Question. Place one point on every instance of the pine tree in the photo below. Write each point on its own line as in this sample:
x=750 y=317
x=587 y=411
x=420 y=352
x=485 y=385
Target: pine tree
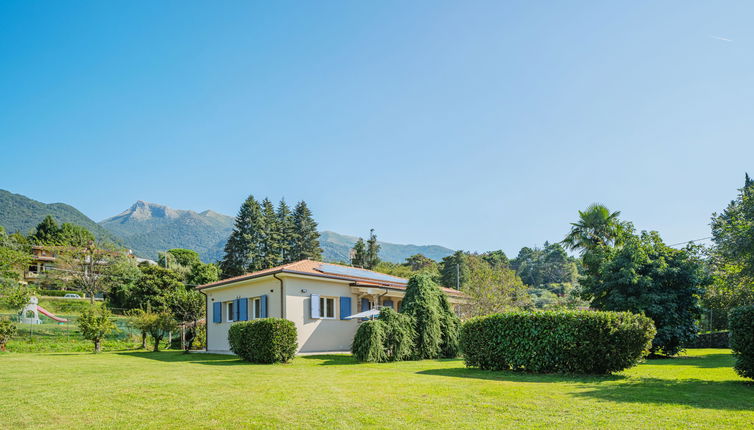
x=306 y=237
x=242 y=249
x=359 y=254
x=269 y=247
x=373 y=250
x=47 y=232
x=286 y=230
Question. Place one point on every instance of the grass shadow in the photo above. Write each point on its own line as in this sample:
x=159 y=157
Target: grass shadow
x=332 y=359
x=696 y=393
x=510 y=376
x=707 y=361
x=181 y=357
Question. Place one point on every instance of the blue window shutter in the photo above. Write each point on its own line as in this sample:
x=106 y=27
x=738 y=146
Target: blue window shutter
x=263 y=306
x=315 y=306
x=236 y=310
x=243 y=309
x=345 y=307
x=217 y=312
x=364 y=304
x=388 y=303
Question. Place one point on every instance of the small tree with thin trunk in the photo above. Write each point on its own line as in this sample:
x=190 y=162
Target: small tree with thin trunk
x=158 y=325
x=7 y=331
x=95 y=324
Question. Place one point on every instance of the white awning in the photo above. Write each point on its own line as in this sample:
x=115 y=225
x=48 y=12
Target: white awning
x=371 y=313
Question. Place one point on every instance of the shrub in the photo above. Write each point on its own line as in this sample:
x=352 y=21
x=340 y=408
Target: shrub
x=398 y=342
x=7 y=331
x=369 y=342
x=96 y=323
x=435 y=324
x=741 y=324
x=564 y=341
x=266 y=340
x=715 y=339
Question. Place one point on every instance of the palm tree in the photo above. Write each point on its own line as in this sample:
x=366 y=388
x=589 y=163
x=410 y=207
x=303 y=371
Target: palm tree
x=597 y=226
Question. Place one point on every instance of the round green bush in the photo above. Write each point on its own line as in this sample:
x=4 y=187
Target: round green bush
x=557 y=341
x=266 y=340
x=741 y=324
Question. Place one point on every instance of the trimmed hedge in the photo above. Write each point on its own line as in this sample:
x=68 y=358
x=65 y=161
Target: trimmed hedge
x=741 y=324
x=266 y=340
x=557 y=341
x=715 y=339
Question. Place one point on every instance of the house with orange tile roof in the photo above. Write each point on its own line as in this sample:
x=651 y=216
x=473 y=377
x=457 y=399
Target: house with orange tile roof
x=319 y=298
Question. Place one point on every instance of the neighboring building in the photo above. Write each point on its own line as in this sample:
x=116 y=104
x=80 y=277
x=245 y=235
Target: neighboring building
x=316 y=296
x=43 y=258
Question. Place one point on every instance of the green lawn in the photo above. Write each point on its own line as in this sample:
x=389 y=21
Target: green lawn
x=172 y=390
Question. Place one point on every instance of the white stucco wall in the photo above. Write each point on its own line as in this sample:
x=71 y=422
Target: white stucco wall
x=315 y=335
x=217 y=333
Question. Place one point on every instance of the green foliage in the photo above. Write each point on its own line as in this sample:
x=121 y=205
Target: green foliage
x=742 y=339
x=263 y=237
x=48 y=232
x=21 y=214
x=201 y=274
x=646 y=276
x=596 y=227
x=188 y=306
x=305 y=243
x=454 y=270
x=398 y=342
x=180 y=256
x=156 y=324
x=123 y=274
x=434 y=321
x=557 y=342
x=14 y=295
x=95 y=323
x=359 y=254
x=266 y=340
x=492 y=289
x=550 y=265
x=732 y=254
x=148 y=290
x=372 y=257
x=369 y=342
x=7 y=331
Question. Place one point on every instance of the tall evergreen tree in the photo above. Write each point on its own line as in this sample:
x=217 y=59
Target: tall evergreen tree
x=306 y=237
x=454 y=270
x=270 y=234
x=287 y=232
x=359 y=254
x=242 y=249
x=47 y=232
x=373 y=250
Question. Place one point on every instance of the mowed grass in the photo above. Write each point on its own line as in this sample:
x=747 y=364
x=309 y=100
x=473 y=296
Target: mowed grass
x=173 y=390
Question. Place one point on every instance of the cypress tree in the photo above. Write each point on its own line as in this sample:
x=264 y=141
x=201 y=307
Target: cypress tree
x=269 y=246
x=306 y=237
x=242 y=248
x=435 y=325
x=373 y=249
x=359 y=254
x=286 y=230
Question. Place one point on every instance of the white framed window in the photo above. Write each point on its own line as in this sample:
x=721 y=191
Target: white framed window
x=327 y=307
x=229 y=311
x=256 y=307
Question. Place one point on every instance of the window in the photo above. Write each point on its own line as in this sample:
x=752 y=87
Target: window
x=327 y=307
x=229 y=314
x=256 y=308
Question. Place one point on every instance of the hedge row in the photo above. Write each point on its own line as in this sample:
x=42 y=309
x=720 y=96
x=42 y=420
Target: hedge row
x=741 y=324
x=716 y=339
x=266 y=340
x=563 y=342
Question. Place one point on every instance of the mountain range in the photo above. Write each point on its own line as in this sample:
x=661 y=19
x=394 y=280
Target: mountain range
x=148 y=228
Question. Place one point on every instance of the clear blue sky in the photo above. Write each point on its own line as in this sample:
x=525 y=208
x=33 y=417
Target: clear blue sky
x=474 y=125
